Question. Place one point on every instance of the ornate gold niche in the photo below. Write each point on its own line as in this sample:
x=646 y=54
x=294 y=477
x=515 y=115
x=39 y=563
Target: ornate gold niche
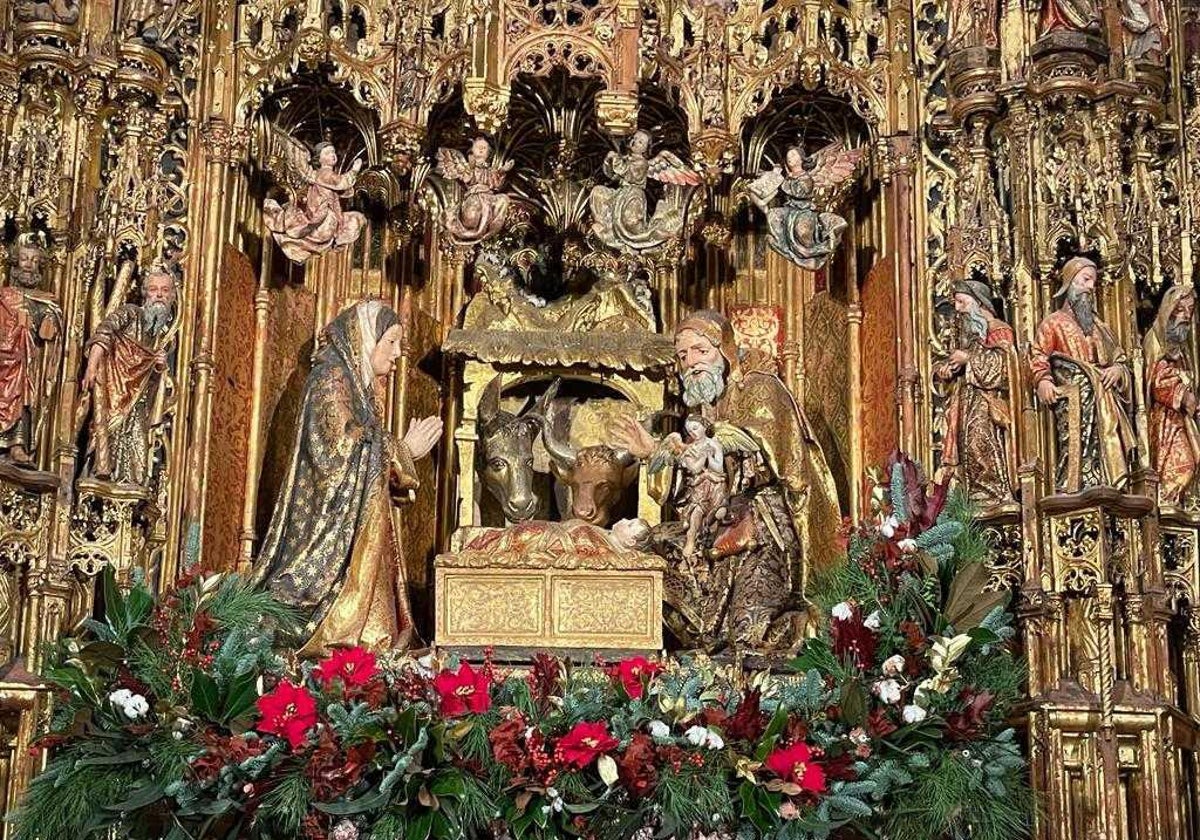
x=993 y=148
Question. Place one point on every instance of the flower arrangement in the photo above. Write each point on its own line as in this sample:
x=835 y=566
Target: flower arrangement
x=182 y=720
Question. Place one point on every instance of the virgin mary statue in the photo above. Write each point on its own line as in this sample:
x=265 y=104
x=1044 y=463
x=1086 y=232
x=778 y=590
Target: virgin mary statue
x=331 y=550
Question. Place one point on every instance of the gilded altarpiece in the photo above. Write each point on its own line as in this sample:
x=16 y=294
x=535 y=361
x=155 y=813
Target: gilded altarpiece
x=155 y=160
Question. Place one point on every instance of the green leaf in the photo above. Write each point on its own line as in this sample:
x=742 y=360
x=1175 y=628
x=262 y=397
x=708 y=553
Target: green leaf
x=205 y=696
x=448 y=785
x=242 y=694
x=114 y=603
x=127 y=757
x=420 y=827
x=355 y=806
x=981 y=636
x=778 y=722
x=140 y=797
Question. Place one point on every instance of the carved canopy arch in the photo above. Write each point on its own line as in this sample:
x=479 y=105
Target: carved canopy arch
x=540 y=53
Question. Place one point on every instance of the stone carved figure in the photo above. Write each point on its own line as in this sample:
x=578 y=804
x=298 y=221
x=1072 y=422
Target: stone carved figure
x=30 y=329
x=1143 y=24
x=704 y=489
x=799 y=230
x=621 y=217
x=1171 y=394
x=1070 y=16
x=481 y=212
x=973 y=23
x=1081 y=371
x=782 y=507
x=129 y=382
x=315 y=223
x=977 y=440
x=332 y=550
x=65 y=12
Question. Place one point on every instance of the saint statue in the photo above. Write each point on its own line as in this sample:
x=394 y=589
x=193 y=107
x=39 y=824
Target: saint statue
x=799 y=230
x=977 y=442
x=481 y=212
x=620 y=216
x=1171 y=394
x=1070 y=16
x=317 y=224
x=50 y=11
x=30 y=326
x=128 y=380
x=332 y=550
x=779 y=508
x=1080 y=370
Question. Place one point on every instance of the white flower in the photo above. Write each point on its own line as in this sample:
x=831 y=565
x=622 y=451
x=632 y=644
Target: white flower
x=658 y=729
x=552 y=792
x=713 y=741
x=135 y=707
x=888 y=691
x=120 y=697
x=914 y=714
x=345 y=830
x=177 y=735
x=425 y=665
x=893 y=665
x=873 y=621
x=889 y=526
x=842 y=611
x=697 y=735
x=908 y=546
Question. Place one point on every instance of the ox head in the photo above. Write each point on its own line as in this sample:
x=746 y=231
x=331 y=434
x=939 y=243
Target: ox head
x=506 y=455
x=596 y=475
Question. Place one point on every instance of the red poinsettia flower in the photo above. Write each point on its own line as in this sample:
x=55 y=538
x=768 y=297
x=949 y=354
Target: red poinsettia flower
x=796 y=764
x=635 y=767
x=463 y=691
x=631 y=673
x=289 y=712
x=584 y=744
x=353 y=666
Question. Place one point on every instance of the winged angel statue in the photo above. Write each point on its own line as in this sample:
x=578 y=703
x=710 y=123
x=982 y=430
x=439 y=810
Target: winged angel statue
x=475 y=211
x=798 y=229
x=315 y=222
x=620 y=215
x=705 y=489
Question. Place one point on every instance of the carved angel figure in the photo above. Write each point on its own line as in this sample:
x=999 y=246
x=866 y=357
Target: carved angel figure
x=797 y=229
x=705 y=490
x=480 y=212
x=315 y=223
x=620 y=215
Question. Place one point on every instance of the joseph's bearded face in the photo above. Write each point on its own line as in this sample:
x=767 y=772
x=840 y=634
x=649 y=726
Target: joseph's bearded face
x=701 y=368
x=159 y=292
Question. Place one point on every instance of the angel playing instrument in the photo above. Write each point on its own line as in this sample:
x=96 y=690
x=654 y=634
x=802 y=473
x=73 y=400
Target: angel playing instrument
x=620 y=216
x=799 y=229
x=314 y=222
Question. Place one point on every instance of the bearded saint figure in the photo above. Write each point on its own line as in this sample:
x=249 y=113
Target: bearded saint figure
x=127 y=377
x=332 y=550
x=782 y=513
x=1171 y=394
x=977 y=444
x=30 y=324
x=1081 y=371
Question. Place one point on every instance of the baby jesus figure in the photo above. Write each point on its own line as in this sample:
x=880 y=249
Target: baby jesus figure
x=705 y=492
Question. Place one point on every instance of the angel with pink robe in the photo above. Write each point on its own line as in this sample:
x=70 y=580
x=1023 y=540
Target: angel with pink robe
x=317 y=224
x=481 y=212
x=799 y=230
x=620 y=215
